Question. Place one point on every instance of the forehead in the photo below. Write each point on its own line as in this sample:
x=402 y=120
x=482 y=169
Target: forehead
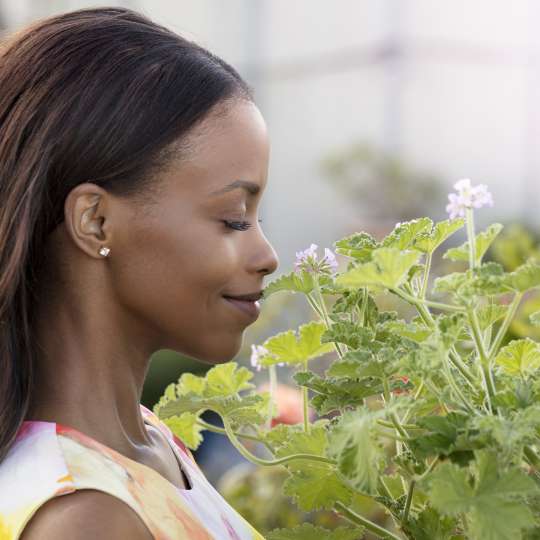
x=226 y=147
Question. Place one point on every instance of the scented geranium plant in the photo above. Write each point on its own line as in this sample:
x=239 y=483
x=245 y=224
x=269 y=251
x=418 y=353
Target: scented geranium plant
x=436 y=417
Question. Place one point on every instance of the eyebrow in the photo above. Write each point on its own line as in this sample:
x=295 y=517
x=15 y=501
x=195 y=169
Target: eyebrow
x=248 y=186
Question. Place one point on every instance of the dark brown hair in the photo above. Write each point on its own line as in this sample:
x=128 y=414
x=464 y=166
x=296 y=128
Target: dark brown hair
x=94 y=95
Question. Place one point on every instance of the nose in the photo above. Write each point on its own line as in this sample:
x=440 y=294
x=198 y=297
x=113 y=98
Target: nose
x=269 y=260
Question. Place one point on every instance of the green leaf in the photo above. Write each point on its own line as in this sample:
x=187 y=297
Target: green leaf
x=486 y=495
x=313 y=484
x=335 y=393
x=428 y=242
x=519 y=357
x=490 y=314
x=186 y=429
x=349 y=333
x=416 y=332
x=295 y=282
x=245 y=409
x=227 y=380
x=441 y=437
x=307 y=531
x=451 y=283
x=187 y=384
x=430 y=525
x=357 y=451
x=526 y=277
x=404 y=234
x=286 y=347
x=358 y=246
x=357 y=364
x=483 y=241
x=389 y=268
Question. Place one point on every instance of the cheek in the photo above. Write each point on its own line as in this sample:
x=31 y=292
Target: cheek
x=172 y=285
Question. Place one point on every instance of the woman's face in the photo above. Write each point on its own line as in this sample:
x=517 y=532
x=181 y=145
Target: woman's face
x=178 y=262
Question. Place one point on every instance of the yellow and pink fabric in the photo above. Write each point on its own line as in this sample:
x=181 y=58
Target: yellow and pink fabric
x=50 y=460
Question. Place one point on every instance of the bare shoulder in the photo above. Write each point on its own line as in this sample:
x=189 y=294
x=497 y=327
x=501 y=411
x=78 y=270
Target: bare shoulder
x=86 y=515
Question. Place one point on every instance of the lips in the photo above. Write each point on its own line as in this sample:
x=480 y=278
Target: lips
x=250 y=309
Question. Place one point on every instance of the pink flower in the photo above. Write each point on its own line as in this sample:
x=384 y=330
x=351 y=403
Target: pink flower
x=467 y=196
x=308 y=260
x=257 y=352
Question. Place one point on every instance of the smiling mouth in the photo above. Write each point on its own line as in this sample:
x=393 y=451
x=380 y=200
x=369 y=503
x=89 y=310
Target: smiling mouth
x=249 y=308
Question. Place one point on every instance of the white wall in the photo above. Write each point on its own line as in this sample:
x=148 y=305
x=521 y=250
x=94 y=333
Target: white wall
x=452 y=86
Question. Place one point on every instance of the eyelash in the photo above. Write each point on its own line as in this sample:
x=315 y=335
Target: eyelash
x=242 y=225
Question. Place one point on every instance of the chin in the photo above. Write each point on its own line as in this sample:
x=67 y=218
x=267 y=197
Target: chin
x=223 y=354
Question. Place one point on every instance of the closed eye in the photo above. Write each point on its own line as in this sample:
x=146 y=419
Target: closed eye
x=239 y=225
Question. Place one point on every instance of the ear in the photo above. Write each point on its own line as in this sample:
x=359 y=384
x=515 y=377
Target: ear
x=86 y=217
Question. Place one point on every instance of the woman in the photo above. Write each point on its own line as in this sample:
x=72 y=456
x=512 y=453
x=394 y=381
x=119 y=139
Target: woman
x=133 y=164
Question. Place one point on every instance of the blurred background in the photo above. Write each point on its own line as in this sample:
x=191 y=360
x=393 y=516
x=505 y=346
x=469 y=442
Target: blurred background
x=374 y=108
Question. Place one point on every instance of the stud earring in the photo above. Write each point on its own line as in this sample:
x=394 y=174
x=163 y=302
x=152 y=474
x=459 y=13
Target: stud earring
x=104 y=251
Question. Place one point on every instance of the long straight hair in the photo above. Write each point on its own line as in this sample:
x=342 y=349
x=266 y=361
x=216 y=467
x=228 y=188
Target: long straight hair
x=94 y=95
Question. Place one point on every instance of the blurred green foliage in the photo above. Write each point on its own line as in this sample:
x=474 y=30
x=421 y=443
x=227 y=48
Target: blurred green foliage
x=513 y=247
x=381 y=184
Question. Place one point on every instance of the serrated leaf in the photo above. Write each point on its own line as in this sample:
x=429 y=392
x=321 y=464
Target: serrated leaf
x=287 y=347
x=335 y=393
x=404 y=234
x=483 y=242
x=413 y=331
x=525 y=277
x=246 y=409
x=349 y=333
x=490 y=314
x=227 y=380
x=307 y=531
x=430 y=525
x=441 y=436
x=428 y=242
x=358 y=246
x=451 y=283
x=188 y=384
x=313 y=484
x=489 y=501
x=356 y=450
x=185 y=427
x=295 y=282
x=389 y=268
x=519 y=357
x=316 y=488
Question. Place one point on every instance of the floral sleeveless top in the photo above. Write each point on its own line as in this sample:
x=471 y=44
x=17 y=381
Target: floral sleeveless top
x=50 y=460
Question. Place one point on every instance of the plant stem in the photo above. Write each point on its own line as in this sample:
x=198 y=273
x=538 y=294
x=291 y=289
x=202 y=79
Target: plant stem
x=221 y=431
x=273 y=385
x=426 y=276
x=409 y=410
x=505 y=324
x=393 y=416
x=408 y=503
x=484 y=362
x=323 y=312
x=461 y=367
x=471 y=237
x=426 y=316
x=365 y=299
x=455 y=387
x=357 y=519
x=436 y=305
x=392 y=436
x=268 y=462
x=405 y=426
x=305 y=402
